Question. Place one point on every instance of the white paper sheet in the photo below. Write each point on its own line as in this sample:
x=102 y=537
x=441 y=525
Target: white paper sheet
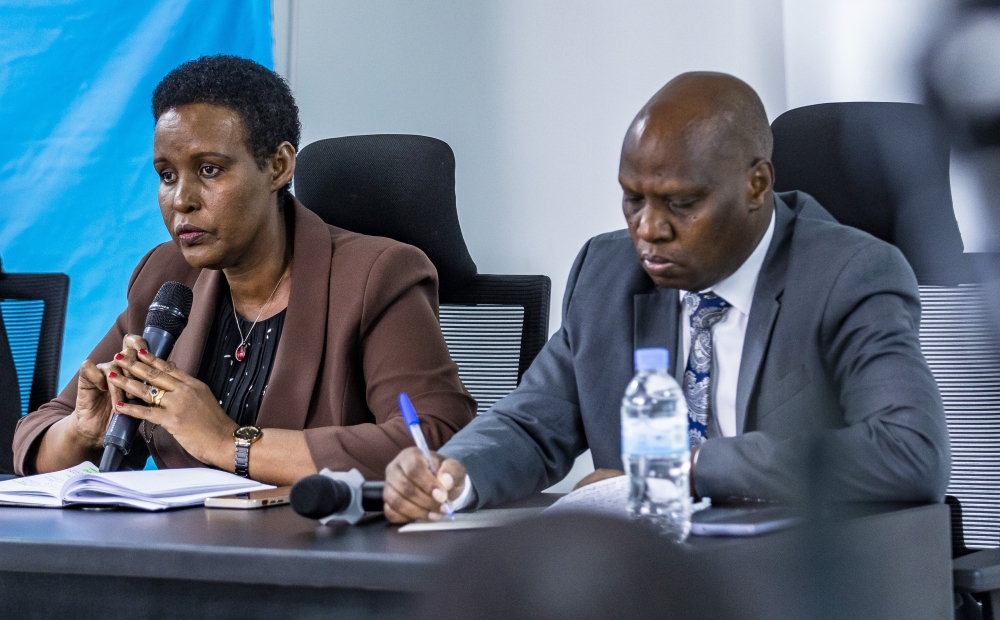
x=473 y=520
x=43 y=489
x=607 y=497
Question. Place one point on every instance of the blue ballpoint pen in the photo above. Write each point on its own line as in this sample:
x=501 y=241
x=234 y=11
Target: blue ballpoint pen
x=413 y=423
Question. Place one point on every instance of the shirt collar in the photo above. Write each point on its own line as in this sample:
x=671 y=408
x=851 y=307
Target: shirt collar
x=739 y=287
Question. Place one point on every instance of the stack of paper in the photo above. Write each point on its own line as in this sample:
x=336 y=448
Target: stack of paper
x=608 y=497
x=147 y=490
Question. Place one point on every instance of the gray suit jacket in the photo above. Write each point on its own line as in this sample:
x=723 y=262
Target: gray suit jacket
x=831 y=365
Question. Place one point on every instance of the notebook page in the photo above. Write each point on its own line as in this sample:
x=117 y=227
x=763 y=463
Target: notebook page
x=43 y=489
x=162 y=483
x=85 y=495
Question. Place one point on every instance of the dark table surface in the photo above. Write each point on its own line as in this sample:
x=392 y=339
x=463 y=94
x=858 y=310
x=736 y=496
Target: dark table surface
x=892 y=559
x=267 y=546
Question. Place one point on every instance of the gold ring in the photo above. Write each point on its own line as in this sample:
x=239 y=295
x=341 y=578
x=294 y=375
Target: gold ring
x=157 y=395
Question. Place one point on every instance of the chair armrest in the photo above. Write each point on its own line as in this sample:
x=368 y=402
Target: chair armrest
x=978 y=572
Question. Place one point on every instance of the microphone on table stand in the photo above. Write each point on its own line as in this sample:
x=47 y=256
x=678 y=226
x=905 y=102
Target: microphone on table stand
x=166 y=319
x=336 y=496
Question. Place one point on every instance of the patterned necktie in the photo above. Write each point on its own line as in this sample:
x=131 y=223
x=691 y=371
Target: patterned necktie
x=705 y=310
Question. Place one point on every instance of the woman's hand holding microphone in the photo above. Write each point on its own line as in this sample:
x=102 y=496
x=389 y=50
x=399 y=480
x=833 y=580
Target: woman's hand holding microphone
x=184 y=406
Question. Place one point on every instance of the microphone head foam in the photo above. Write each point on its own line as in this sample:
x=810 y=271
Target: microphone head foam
x=170 y=308
x=317 y=496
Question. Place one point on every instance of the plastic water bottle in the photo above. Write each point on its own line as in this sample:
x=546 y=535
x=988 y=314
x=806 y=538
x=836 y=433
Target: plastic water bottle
x=655 y=447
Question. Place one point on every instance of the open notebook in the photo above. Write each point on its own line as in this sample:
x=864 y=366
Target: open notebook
x=146 y=490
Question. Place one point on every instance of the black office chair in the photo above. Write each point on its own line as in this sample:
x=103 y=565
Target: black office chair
x=884 y=168
x=32 y=318
x=403 y=187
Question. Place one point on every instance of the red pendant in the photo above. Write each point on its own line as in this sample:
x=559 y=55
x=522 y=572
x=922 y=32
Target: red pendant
x=241 y=352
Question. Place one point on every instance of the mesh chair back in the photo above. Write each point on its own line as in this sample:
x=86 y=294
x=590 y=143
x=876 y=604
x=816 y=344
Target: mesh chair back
x=884 y=168
x=494 y=327
x=10 y=400
x=33 y=310
x=961 y=344
x=403 y=187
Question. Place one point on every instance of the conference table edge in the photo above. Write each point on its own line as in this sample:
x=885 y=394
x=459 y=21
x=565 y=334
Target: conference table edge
x=243 y=565
x=978 y=571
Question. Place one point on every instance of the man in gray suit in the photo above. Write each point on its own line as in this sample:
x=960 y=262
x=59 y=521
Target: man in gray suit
x=806 y=333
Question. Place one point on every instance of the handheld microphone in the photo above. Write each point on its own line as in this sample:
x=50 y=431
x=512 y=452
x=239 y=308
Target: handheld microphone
x=329 y=496
x=166 y=319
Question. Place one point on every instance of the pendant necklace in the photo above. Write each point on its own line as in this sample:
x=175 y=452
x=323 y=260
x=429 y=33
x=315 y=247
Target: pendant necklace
x=241 y=350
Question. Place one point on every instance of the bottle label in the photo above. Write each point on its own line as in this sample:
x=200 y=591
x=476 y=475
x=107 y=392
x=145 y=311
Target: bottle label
x=655 y=436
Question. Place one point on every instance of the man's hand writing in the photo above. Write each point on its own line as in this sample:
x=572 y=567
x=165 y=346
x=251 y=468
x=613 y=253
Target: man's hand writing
x=413 y=493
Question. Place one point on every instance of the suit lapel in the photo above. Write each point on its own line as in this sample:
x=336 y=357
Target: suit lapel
x=190 y=345
x=764 y=310
x=298 y=360
x=655 y=320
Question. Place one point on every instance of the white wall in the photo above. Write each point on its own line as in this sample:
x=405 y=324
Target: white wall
x=856 y=50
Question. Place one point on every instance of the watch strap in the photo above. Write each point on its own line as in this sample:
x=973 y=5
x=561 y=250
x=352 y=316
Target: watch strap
x=242 y=458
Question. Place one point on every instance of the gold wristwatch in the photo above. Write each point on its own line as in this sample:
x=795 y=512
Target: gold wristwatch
x=245 y=436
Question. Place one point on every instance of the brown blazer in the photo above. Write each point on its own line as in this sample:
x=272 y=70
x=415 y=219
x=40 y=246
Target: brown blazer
x=361 y=326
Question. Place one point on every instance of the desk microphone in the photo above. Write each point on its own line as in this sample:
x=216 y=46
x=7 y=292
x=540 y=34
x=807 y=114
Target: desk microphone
x=343 y=497
x=166 y=319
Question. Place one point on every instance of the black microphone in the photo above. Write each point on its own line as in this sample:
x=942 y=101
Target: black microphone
x=319 y=496
x=166 y=319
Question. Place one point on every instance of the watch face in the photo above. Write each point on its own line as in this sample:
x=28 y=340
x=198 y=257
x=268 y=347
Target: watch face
x=248 y=433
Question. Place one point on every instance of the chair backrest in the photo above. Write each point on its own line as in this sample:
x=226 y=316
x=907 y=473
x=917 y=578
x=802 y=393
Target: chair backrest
x=883 y=168
x=33 y=312
x=403 y=187
x=880 y=167
x=389 y=185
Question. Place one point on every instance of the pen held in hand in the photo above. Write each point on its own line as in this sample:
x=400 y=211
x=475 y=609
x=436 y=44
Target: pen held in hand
x=413 y=423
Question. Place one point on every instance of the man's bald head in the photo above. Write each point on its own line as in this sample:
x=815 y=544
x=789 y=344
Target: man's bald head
x=716 y=110
x=697 y=179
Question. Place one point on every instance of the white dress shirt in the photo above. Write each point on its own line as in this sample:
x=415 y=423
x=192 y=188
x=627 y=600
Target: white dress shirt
x=727 y=342
x=728 y=334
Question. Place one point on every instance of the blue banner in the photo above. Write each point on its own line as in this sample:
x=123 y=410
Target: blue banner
x=77 y=184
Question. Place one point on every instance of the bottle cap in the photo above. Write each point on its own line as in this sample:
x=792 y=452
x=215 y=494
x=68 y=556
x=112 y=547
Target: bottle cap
x=654 y=358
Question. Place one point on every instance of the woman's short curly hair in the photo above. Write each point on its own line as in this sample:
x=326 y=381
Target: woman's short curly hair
x=260 y=96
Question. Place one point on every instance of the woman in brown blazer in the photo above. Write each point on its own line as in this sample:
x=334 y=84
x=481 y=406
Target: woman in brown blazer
x=302 y=330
